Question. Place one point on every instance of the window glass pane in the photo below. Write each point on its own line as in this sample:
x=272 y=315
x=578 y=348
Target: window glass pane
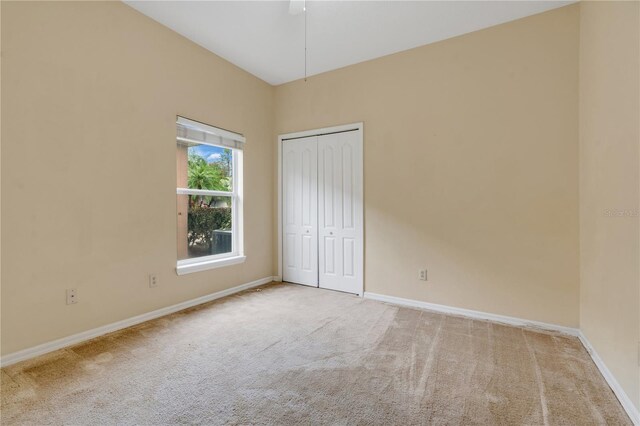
x=204 y=167
x=204 y=226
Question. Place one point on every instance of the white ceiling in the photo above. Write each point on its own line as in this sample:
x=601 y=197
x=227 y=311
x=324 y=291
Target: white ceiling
x=262 y=38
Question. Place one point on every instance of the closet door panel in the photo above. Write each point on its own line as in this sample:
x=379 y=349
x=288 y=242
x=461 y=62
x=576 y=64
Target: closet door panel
x=329 y=263
x=340 y=211
x=300 y=222
x=348 y=258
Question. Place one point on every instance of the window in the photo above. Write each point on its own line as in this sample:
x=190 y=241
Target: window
x=209 y=196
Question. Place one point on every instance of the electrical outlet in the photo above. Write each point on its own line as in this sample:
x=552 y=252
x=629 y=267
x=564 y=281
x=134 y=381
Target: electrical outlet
x=153 y=280
x=72 y=296
x=422 y=274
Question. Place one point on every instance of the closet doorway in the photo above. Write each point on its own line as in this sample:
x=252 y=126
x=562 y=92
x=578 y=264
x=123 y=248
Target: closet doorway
x=320 y=208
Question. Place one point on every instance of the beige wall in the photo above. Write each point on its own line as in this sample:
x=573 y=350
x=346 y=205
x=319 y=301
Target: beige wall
x=90 y=92
x=609 y=185
x=471 y=165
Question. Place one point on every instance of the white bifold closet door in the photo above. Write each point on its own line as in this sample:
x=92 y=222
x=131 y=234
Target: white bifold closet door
x=340 y=211
x=300 y=210
x=322 y=240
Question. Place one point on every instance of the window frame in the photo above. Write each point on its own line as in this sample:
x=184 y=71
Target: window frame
x=185 y=266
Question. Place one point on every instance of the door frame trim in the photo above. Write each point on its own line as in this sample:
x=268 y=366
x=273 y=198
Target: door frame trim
x=359 y=127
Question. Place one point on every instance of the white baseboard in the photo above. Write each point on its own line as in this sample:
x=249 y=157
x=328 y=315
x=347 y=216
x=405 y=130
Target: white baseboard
x=119 y=325
x=622 y=396
x=472 y=314
x=624 y=399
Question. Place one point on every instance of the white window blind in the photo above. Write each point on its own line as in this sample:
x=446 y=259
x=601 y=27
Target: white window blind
x=190 y=131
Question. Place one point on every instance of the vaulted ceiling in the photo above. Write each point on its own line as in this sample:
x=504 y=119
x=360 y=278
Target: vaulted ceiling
x=263 y=38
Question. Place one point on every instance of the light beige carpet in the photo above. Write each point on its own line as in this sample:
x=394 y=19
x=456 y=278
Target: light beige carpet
x=287 y=354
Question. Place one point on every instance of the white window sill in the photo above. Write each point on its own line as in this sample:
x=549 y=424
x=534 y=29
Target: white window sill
x=209 y=264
